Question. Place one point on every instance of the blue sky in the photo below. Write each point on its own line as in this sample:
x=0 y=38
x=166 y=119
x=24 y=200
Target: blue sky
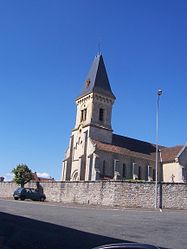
x=46 y=50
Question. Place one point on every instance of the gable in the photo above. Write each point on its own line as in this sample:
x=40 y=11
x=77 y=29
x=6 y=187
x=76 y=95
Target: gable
x=182 y=156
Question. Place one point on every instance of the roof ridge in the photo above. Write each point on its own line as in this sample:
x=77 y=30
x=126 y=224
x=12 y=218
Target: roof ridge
x=172 y=147
x=138 y=140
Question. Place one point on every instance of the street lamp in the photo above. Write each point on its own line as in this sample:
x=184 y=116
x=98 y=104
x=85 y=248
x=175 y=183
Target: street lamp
x=159 y=93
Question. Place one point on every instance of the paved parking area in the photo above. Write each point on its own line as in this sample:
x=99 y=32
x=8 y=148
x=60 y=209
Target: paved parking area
x=73 y=226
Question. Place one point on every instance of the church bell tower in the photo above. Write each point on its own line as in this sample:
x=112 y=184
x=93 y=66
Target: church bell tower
x=93 y=121
x=94 y=104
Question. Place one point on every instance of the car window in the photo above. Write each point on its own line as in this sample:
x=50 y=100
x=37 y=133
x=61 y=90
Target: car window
x=19 y=190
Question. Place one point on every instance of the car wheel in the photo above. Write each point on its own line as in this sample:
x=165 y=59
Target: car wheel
x=42 y=199
x=16 y=198
x=22 y=198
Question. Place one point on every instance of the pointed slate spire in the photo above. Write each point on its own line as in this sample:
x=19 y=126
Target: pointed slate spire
x=97 y=79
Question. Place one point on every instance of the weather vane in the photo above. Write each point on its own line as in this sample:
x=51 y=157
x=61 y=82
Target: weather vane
x=99 y=47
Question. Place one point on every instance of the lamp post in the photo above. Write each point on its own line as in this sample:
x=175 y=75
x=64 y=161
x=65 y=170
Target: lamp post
x=159 y=93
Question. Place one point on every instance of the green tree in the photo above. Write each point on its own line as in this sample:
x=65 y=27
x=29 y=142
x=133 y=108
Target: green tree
x=22 y=174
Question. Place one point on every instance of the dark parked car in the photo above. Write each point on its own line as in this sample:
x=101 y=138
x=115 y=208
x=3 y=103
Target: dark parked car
x=28 y=193
x=127 y=246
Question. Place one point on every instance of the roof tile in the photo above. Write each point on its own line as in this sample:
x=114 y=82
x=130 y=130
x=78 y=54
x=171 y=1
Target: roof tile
x=169 y=154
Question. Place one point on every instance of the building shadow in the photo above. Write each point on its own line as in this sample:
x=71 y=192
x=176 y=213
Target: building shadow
x=17 y=232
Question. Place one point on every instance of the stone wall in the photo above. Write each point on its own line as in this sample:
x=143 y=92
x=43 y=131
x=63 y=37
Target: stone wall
x=174 y=195
x=110 y=193
x=7 y=189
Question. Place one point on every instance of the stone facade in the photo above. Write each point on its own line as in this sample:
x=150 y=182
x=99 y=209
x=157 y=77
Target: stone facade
x=84 y=159
x=110 y=193
x=172 y=172
x=93 y=121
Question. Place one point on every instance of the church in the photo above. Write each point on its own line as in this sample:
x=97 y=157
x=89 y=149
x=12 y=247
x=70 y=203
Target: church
x=96 y=153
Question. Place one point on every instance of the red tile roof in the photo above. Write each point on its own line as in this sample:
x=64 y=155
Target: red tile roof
x=41 y=179
x=169 y=154
x=136 y=148
x=128 y=147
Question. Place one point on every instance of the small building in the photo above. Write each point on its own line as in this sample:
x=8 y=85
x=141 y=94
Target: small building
x=174 y=163
x=96 y=153
x=41 y=179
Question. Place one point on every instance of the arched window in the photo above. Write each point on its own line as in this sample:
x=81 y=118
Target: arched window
x=104 y=168
x=154 y=174
x=124 y=171
x=101 y=114
x=139 y=173
x=83 y=114
x=75 y=175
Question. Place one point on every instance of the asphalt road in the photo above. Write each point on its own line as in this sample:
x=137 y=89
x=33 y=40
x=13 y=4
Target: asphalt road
x=35 y=225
